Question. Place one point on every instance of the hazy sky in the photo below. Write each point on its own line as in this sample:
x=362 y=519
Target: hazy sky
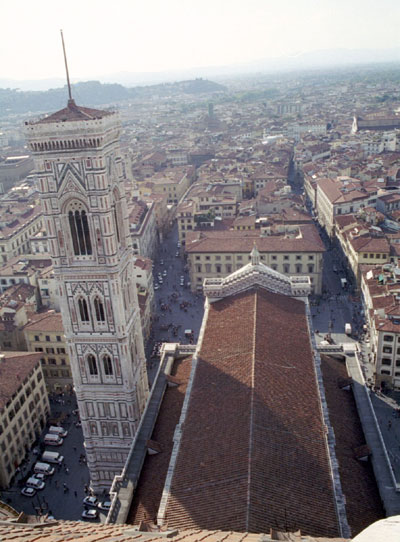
x=105 y=37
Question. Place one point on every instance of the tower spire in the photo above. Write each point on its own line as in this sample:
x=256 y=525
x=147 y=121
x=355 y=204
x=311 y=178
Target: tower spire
x=70 y=100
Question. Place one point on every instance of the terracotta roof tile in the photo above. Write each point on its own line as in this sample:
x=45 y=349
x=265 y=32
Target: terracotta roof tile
x=74 y=112
x=363 y=504
x=148 y=493
x=253 y=431
x=14 y=368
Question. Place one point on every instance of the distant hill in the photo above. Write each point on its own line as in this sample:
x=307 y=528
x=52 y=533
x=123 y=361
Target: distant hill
x=94 y=93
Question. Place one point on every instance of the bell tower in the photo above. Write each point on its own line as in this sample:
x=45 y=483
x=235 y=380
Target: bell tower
x=79 y=176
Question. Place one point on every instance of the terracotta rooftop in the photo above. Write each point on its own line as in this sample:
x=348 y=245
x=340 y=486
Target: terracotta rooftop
x=48 y=321
x=253 y=451
x=363 y=504
x=148 y=493
x=14 y=368
x=61 y=531
x=308 y=240
x=74 y=112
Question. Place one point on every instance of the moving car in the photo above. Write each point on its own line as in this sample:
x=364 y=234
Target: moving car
x=90 y=501
x=28 y=491
x=90 y=514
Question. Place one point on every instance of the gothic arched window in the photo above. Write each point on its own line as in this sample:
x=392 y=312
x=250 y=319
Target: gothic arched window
x=99 y=310
x=107 y=364
x=92 y=364
x=80 y=234
x=83 y=310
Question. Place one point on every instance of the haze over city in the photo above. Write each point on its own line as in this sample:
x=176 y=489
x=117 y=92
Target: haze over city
x=105 y=41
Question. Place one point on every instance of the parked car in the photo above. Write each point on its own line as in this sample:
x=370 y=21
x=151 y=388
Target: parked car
x=40 y=476
x=164 y=273
x=90 y=514
x=56 y=430
x=28 y=491
x=177 y=253
x=35 y=483
x=90 y=501
x=105 y=505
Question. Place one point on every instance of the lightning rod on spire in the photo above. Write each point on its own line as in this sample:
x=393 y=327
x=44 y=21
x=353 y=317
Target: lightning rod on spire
x=66 y=67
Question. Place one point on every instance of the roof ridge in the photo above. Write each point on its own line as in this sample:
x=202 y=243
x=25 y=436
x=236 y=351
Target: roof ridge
x=251 y=412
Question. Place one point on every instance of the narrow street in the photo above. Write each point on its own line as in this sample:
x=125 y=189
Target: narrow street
x=176 y=308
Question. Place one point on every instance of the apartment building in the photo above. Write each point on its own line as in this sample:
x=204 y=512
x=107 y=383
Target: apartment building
x=142 y=227
x=172 y=182
x=380 y=287
x=203 y=208
x=18 y=223
x=341 y=196
x=24 y=408
x=12 y=170
x=16 y=305
x=145 y=290
x=361 y=243
x=295 y=250
x=44 y=333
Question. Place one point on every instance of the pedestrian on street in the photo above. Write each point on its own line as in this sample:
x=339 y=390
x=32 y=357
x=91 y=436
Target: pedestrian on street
x=75 y=493
x=389 y=424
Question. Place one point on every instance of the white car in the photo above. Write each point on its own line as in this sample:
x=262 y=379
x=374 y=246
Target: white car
x=156 y=286
x=90 y=501
x=164 y=273
x=28 y=491
x=105 y=505
x=40 y=476
x=90 y=514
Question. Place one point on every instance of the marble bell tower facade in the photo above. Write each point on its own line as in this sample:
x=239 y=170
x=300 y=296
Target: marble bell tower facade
x=79 y=176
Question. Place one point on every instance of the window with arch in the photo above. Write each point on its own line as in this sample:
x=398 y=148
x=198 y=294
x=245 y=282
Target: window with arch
x=99 y=309
x=107 y=364
x=83 y=310
x=92 y=364
x=79 y=228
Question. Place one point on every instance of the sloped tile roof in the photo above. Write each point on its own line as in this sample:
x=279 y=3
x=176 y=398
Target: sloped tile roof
x=253 y=452
x=363 y=504
x=63 y=531
x=14 y=368
x=74 y=112
x=149 y=490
